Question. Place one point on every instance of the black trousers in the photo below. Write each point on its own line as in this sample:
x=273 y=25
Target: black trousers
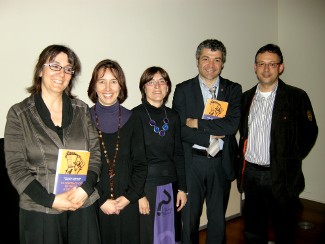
x=261 y=206
x=73 y=227
x=206 y=180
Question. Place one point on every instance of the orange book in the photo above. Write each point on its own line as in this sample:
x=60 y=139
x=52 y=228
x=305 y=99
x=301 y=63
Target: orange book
x=215 y=109
x=71 y=169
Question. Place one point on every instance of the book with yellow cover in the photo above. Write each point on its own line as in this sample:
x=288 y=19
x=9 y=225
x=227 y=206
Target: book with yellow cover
x=215 y=109
x=71 y=169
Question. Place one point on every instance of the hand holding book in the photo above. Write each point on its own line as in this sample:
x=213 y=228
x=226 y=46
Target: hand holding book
x=62 y=202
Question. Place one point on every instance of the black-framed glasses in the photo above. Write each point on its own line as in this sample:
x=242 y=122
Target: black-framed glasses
x=55 y=67
x=270 y=65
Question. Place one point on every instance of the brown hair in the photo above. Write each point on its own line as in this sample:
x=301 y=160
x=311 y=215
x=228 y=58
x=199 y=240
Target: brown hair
x=148 y=74
x=49 y=54
x=99 y=71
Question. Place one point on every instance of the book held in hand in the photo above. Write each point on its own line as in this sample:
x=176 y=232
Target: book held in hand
x=215 y=109
x=71 y=169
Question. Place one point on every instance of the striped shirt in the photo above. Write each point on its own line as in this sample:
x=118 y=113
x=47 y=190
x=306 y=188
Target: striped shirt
x=259 y=127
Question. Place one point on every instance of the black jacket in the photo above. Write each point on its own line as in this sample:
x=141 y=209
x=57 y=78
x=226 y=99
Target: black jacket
x=293 y=134
x=188 y=101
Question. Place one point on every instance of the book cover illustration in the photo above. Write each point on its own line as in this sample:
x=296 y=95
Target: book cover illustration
x=215 y=109
x=71 y=169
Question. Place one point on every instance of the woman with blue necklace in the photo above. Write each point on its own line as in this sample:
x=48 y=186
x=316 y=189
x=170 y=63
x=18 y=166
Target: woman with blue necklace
x=165 y=187
x=122 y=179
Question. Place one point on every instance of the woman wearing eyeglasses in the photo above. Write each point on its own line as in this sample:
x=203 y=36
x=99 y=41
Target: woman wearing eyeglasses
x=165 y=188
x=51 y=118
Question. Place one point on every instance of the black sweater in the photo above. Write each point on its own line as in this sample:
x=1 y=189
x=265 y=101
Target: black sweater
x=131 y=164
x=164 y=153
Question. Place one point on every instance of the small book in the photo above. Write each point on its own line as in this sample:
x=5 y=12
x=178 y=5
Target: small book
x=215 y=109
x=71 y=169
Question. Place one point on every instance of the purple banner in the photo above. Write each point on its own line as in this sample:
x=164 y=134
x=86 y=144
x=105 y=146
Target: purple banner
x=164 y=231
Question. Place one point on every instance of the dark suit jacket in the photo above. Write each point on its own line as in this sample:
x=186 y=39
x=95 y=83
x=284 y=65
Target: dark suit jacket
x=293 y=134
x=188 y=101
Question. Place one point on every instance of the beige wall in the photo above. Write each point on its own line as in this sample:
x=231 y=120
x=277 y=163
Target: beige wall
x=142 y=33
x=301 y=30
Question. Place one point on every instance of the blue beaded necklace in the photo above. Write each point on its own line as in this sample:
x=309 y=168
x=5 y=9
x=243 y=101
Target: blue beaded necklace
x=154 y=124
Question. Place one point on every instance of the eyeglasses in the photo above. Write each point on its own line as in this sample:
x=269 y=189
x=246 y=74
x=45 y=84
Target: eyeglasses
x=55 y=67
x=156 y=82
x=269 y=65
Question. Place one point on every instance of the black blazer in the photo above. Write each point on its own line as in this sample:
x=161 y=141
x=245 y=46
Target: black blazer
x=293 y=134
x=188 y=101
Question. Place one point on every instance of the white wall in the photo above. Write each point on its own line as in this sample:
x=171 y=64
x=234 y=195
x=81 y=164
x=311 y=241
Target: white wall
x=301 y=31
x=166 y=33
